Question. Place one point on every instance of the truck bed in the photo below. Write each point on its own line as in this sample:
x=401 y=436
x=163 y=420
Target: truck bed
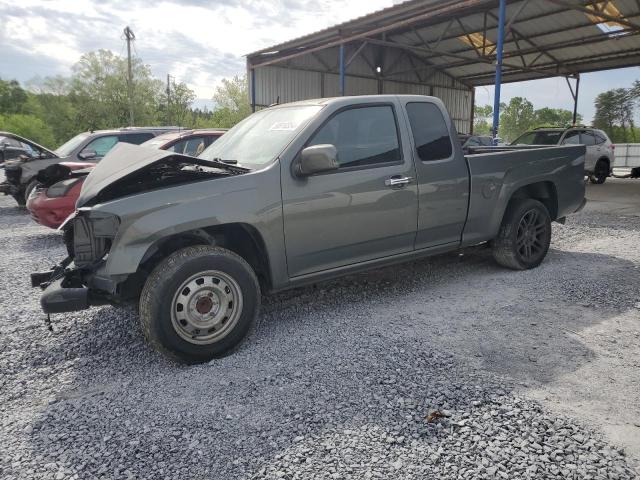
x=496 y=173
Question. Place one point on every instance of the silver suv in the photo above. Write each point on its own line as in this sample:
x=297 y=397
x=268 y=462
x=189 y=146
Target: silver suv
x=599 y=159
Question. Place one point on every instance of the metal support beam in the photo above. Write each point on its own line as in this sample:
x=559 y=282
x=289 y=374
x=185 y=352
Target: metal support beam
x=500 y=44
x=355 y=54
x=574 y=94
x=342 y=69
x=253 y=89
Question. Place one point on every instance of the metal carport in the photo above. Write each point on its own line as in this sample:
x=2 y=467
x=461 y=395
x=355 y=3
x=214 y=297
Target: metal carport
x=446 y=48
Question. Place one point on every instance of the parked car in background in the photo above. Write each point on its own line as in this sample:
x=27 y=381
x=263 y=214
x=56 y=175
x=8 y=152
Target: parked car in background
x=85 y=147
x=54 y=199
x=13 y=146
x=600 y=156
x=295 y=194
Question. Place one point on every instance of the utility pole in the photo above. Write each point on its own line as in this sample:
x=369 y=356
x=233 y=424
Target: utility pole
x=129 y=36
x=168 y=99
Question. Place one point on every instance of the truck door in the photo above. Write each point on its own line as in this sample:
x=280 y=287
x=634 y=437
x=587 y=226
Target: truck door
x=442 y=173
x=367 y=209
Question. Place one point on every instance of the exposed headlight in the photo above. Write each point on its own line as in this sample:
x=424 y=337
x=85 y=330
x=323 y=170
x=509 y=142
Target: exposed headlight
x=60 y=189
x=92 y=236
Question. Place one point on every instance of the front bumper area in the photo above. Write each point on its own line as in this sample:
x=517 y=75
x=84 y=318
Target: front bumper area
x=63 y=290
x=59 y=299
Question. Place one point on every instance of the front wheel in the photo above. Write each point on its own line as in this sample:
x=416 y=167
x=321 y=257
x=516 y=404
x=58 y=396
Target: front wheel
x=524 y=236
x=600 y=174
x=199 y=303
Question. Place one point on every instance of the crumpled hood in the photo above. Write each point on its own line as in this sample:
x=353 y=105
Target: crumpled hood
x=126 y=159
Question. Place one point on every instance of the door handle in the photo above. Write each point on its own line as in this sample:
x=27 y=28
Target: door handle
x=397 y=181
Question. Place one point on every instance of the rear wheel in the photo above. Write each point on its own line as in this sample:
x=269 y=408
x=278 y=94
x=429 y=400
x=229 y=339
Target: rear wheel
x=199 y=303
x=600 y=173
x=525 y=235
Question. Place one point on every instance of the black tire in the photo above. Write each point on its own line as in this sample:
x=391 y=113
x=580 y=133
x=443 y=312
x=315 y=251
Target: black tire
x=600 y=174
x=28 y=189
x=164 y=287
x=521 y=245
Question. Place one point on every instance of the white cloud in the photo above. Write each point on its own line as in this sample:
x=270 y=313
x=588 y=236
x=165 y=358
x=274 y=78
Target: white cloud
x=195 y=41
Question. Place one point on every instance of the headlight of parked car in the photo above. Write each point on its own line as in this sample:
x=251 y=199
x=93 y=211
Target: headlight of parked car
x=61 y=188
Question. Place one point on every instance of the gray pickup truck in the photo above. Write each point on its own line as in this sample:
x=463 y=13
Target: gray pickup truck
x=295 y=194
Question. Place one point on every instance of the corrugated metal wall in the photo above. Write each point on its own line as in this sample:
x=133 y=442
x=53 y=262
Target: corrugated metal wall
x=314 y=76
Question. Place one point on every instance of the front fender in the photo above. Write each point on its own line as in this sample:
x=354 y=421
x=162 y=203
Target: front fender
x=147 y=218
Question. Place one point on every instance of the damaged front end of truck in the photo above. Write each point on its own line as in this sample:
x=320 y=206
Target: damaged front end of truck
x=77 y=283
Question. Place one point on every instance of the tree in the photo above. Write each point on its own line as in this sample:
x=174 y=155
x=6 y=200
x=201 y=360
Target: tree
x=28 y=126
x=516 y=118
x=12 y=97
x=615 y=110
x=99 y=90
x=481 y=119
x=555 y=117
x=180 y=99
x=232 y=102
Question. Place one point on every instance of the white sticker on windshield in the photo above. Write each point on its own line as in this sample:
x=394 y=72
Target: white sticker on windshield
x=283 y=126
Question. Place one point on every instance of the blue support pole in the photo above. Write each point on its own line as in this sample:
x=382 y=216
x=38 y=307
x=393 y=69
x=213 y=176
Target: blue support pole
x=253 y=89
x=496 y=97
x=342 y=69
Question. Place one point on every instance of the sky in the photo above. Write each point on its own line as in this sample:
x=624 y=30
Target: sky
x=201 y=42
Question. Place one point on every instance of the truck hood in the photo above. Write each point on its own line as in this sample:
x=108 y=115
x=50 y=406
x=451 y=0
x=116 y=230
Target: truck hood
x=129 y=169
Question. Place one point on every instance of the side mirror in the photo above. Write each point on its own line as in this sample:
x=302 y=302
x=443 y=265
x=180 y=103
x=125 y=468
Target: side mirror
x=87 y=154
x=316 y=159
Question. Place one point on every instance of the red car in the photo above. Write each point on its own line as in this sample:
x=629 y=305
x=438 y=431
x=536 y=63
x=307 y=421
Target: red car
x=51 y=205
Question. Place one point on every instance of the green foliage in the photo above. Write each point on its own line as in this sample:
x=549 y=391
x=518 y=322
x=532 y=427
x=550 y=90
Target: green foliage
x=232 y=102
x=28 y=126
x=12 y=97
x=555 y=117
x=482 y=119
x=516 y=117
x=178 y=111
x=615 y=110
x=99 y=90
x=519 y=116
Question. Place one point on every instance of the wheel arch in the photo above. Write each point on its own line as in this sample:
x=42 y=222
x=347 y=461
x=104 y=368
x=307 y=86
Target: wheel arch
x=545 y=192
x=240 y=238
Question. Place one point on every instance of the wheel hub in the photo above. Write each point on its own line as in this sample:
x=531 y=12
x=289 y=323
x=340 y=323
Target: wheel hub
x=206 y=307
x=530 y=237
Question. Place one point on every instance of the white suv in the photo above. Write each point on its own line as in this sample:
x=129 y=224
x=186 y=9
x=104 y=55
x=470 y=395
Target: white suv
x=599 y=159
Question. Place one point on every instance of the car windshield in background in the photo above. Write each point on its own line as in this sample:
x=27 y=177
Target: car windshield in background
x=539 y=138
x=258 y=139
x=66 y=148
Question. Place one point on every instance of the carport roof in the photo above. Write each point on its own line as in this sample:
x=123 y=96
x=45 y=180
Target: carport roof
x=543 y=38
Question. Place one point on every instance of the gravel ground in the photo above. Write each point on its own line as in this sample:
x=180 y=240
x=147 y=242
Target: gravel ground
x=531 y=374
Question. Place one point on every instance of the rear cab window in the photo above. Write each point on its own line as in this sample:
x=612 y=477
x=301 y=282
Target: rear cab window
x=430 y=132
x=363 y=136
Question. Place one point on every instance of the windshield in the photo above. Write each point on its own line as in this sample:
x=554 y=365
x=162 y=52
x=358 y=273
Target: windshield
x=540 y=137
x=258 y=139
x=65 y=149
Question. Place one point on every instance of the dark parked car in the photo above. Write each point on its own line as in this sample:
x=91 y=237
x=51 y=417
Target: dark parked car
x=296 y=194
x=13 y=146
x=54 y=199
x=20 y=172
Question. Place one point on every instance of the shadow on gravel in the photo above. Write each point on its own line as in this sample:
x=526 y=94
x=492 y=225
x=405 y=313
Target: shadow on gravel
x=13 y=211
x=42 y=241
x=380 y=349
